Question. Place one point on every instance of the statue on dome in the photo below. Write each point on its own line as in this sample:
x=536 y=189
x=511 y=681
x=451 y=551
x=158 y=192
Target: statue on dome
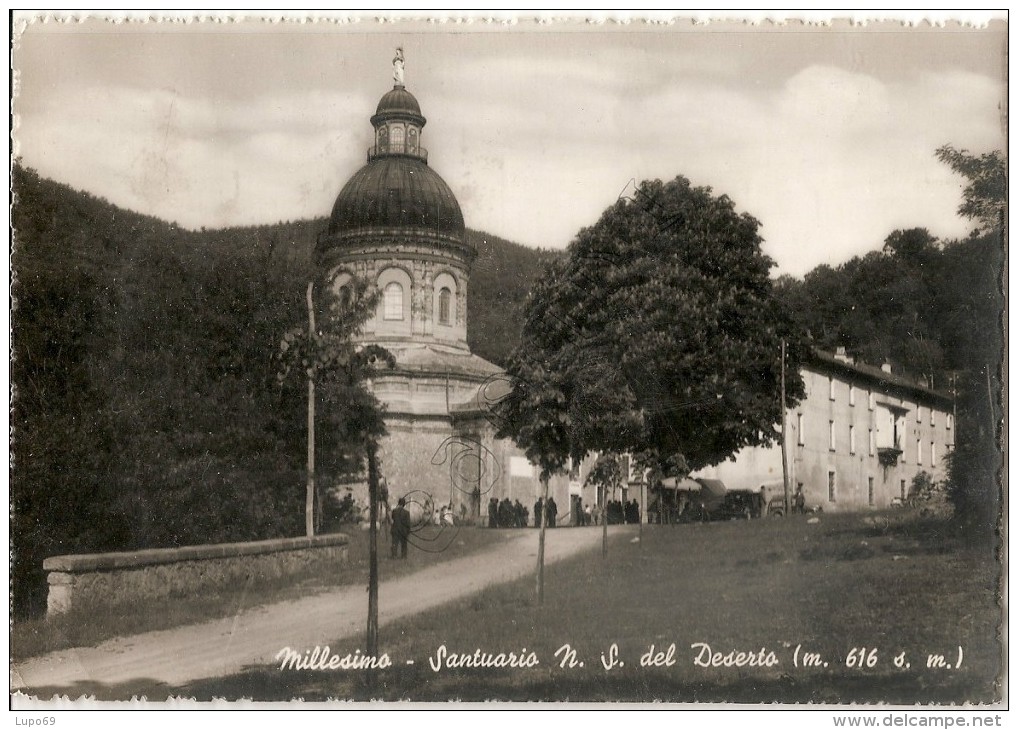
x=397 y=67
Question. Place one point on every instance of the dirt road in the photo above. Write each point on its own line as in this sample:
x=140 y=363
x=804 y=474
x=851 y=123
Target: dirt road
x=254 y=637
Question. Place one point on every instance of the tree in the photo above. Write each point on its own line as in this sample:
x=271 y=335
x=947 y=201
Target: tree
x=985 y=195
x=533 y=413
x=329 y=356
x=976 y=290
x=660 y=331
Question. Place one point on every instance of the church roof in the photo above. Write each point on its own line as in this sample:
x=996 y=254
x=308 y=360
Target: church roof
x=398 y=102
x=441 y=359
x=396 y=192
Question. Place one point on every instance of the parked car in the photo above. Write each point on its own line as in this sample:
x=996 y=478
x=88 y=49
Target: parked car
x=738 y=504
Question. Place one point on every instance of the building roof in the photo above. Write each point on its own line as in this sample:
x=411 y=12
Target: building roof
x=894 y=382
x=398 y=103
x=396 y=192
x=434 y=358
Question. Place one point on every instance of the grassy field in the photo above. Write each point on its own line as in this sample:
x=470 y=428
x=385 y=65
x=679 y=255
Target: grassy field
x=87 y=628
x=854 y=592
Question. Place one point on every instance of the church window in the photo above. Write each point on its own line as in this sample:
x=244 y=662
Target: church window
x=396 y=139
x=445 y=306
x=393 y=301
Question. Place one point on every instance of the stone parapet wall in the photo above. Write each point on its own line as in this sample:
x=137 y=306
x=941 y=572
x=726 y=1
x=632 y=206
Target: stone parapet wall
x=107 y=579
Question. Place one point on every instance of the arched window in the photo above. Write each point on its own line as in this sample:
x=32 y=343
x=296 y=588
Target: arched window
x=393 y=301
x=396 y=137
x=445 y=306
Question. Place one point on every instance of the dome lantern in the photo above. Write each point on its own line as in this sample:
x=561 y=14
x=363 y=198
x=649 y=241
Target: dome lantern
x=398 y=120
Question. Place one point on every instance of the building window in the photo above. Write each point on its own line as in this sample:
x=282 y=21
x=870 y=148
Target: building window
x=851 y=394
x=918 y=413
x=445 y=306
x=904 y=491
x=933 y=416
x=396 y=137
x=870 y=487
x=830 y=487
x=834 y=436
x=919 y=452
x=933 y=453
x=870 y=399
x=830 y=388
x=799 y=428
x=393 y=301
x=873 y=442
x=851 y=439
x=950 y=420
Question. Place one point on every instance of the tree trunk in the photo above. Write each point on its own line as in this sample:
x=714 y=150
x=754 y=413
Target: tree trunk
x=309 y=497
x=540 y=542
x=784 y=442
x=604 y=522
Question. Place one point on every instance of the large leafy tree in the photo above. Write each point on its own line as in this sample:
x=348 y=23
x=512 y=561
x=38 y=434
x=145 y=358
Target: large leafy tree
x=338 y=369
x=660 y=332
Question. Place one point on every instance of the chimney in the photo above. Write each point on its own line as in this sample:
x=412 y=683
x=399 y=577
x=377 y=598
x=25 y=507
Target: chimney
x=886 y=367
x=841 y=355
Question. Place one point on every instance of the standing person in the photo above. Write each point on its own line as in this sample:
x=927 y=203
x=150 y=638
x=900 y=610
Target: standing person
x=595 y=512
x=552 y=511
x=400 y=529
x=384 y=511
x=519 y=519
x=538 y=511
x=587 y=516
x=492 y=512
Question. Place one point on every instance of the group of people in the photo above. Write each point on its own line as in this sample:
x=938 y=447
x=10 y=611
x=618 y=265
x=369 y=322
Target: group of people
x=507 y=513
x=549 y=511
x=623 y=513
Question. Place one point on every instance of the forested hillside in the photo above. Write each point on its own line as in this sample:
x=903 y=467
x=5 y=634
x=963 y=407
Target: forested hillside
x=146 y=408
x=147 y=412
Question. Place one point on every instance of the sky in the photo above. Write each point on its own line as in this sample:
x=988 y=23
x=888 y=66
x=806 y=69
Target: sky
x=825 y=133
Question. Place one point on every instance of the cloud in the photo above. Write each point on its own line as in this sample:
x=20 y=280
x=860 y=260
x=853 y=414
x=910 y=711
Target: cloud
x=536 y=146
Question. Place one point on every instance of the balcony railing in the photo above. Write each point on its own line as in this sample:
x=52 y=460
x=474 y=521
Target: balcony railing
x=397 y=149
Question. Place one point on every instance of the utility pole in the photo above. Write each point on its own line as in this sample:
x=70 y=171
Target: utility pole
x=309 y=500
x=540 y=540
x=784 y=440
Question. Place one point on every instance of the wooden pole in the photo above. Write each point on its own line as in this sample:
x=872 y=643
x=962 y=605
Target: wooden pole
x=604 y=521
x=784 y=441
x=643 y=506
x=540 y=541
x=372 y=647
x=309 y=499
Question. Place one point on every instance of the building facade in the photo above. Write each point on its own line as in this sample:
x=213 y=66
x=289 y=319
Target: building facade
x=857 y=440
x=397 y=225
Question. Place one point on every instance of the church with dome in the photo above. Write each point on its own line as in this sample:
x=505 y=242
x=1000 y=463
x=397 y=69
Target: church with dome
x=397 y=225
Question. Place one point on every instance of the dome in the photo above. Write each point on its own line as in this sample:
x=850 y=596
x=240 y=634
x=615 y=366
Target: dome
x=398 y=102
x=396 y=192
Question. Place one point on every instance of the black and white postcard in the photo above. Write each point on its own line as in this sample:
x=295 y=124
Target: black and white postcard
x=579 y=361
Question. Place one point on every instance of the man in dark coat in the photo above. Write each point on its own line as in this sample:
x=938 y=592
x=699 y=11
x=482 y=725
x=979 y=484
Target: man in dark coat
x=538 y=511
x=552 y=511
x=492 y=512
x=400 y=528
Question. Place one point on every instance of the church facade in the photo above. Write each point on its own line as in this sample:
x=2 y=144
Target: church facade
x=397 y=225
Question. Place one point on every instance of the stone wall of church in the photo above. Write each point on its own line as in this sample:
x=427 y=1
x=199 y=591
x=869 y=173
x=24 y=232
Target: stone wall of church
x=416 y=459
x=422 y=265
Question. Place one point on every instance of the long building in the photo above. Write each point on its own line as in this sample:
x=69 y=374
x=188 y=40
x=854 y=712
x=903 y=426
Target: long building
x=857 y=440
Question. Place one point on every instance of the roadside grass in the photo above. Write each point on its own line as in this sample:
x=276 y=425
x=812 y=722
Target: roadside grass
x=902 y=584
x=88 y=627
